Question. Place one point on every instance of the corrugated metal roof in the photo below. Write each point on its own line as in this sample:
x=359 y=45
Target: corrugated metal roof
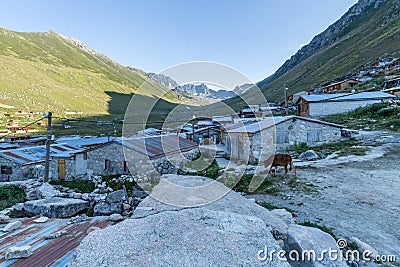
x=159 y=146
x=47 y=252
x=36 y=154
x=347 y=97
x=269 y=122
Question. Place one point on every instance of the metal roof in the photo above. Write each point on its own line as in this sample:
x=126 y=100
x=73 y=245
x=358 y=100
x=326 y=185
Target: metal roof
x=36 y=154
x=159 y=146
x=347 y=97
x=269 y=122
x=83 y=141
x=47 y=252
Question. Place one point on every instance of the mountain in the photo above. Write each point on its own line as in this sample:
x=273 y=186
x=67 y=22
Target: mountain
x=201 y=89
x=369 y=30
x=48 y=71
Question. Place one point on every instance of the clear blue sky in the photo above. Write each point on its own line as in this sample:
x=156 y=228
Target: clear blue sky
x=254 y=36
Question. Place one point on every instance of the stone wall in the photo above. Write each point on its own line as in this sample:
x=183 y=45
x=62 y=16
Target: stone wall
x=288 y=134
x=138 y=163
x=70 y=168
x=327 y=108
x=21 y=172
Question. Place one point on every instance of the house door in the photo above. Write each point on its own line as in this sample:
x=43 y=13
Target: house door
x=61 y=169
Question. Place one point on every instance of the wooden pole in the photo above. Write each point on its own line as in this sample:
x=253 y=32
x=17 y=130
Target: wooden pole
x=48 y=142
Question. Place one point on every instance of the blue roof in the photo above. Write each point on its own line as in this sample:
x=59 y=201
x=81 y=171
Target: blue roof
x=347 y=97
x=37 y=154
x=83 y=141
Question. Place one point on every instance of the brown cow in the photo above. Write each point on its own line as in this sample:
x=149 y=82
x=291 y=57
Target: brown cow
x=280 y=160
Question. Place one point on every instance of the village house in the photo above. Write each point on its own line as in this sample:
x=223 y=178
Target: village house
x=391 y=83
x=395 y=91
x=327 y=104
x=256 y=140
x=140 y=155
x=339 y=85
x=28 y=162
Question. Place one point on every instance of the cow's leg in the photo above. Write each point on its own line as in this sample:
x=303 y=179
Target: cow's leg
x=286 y=170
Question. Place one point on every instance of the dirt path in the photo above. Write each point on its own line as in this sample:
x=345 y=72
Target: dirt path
x=354 y=196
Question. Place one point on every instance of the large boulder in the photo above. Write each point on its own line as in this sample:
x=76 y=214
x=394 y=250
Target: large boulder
x=46 y=190
x=309 y=155
x=189 y=237
x=11 y=226
x=112 y=204
x=310 y=242
x=56 y=207
x=225 y=200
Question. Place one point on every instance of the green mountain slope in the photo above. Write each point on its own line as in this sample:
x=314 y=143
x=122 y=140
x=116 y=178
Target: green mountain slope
x=368 y=31
x=46 y=71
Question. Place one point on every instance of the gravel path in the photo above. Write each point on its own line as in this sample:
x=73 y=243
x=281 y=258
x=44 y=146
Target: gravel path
x=355 y=196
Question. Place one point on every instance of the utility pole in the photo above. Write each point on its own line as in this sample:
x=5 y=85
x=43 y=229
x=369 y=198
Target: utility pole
x=48 y=142
x=285 y=89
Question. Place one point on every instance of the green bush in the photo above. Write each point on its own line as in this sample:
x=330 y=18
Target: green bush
x=10 y=195
x=79 y=186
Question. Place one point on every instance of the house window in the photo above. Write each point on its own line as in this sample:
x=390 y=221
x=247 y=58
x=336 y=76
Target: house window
x=126 y=168
x=314 y=136
x=107 y=164
x=6 y=170
x=84 y=156
x=282 y=137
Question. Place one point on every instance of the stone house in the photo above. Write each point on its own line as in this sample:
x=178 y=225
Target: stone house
x=339 y=85
x=327 y=104
x=28 y=162
x=258 y=140
x=141 y=155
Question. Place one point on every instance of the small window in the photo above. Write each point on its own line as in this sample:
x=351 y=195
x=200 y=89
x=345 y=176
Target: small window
x=84 y=156
x=6 y=170
x=282 y=137
x=314 y=136
x=107 y=164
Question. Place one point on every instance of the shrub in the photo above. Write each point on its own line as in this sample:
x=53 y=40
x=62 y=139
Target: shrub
x=10 y=195
x=79 y=186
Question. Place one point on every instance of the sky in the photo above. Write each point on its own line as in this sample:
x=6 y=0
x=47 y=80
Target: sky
x=254 y=36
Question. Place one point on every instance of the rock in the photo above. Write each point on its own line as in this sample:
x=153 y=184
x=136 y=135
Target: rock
x=92 y=228
x=32 y=194
x=11 y=226
x=4 y=219
x=138 y=192
x=363 y=247
x=79 y=218
x=115 y=217
x=112 y=204
x=85 y=196
x=46 y=190
x=302 y=238
x=284 y=215
x=41 y=219
x=180 y=238
x=228 y=200
x=126 y=206
x=56 y=207
x=18 y=207
x=18 y=252
x=309 y=155
x=78 y=196
x=55 y=235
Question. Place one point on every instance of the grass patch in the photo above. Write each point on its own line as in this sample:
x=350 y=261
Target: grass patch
x=267 y=186
x=380 y=116
x=321 y=227
x=78 y=186
x=270 y=206
x=11 y=195
x=211 y=171
x=343 y=148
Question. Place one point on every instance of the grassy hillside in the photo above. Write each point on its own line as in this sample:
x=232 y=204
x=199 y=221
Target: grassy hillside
x=44 y=71
x=342 y=49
